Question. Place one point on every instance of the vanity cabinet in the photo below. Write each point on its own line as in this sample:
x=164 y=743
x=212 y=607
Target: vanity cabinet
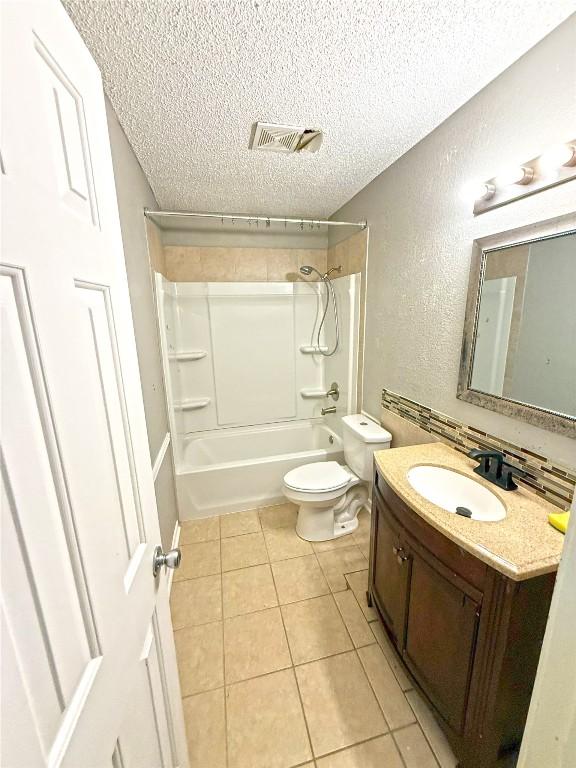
x=469 y=636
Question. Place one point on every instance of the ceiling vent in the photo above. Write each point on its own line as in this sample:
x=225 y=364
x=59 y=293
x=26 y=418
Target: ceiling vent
x=270 y=137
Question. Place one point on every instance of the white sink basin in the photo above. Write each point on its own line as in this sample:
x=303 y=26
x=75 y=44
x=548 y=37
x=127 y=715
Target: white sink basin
x=449 y=490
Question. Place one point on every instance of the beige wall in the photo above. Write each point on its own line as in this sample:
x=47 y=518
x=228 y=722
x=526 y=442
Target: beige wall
x=134 y=194
x=421 y=234
x=215 y=264
x=350 y=254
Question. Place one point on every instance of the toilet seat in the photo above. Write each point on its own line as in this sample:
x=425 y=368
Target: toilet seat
x=318 y=477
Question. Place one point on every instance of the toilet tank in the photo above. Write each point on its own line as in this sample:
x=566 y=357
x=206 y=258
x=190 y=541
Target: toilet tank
x=362 y=436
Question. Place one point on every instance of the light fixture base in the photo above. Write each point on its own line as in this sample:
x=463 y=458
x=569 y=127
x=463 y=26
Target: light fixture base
x=536 y=179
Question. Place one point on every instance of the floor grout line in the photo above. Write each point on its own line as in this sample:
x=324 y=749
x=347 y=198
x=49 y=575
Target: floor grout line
x=293 y=668
x=223 y=652
x=280 y=605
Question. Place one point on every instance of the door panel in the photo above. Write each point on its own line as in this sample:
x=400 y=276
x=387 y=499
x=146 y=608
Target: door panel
x=441 y=640
x=34 y=547
x=69 y=136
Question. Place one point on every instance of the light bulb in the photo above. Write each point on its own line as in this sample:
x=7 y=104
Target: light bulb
x=557 y=156
x=478 y=190
x=515 y=175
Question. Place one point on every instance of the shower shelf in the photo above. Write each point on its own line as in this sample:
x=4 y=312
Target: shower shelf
x=312 y=394
x=307 y=349
x=192 y=404
x=196 y=354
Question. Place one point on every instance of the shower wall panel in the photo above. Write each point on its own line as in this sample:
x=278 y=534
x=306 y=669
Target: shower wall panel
x=253 y=353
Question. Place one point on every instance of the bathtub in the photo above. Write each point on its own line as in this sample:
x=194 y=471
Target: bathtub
x=242 y=468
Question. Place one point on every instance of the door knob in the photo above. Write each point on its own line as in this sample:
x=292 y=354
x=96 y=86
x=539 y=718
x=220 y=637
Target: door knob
x=170 y=559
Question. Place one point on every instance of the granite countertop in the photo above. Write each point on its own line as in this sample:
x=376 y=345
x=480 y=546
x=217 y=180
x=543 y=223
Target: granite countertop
x=521 y=546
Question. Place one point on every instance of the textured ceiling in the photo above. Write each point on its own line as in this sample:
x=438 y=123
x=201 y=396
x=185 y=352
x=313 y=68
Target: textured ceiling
x=188 y=78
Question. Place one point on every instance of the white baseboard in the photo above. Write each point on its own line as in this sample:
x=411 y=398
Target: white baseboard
x=160 y=456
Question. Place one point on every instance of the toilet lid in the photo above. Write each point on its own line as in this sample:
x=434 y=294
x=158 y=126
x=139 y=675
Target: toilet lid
x=320 y=476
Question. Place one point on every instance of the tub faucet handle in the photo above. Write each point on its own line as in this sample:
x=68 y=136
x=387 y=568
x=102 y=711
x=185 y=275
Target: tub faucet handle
x=334 y=391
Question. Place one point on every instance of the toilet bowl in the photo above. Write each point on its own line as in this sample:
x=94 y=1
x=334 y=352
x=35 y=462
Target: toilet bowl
x=330 y=495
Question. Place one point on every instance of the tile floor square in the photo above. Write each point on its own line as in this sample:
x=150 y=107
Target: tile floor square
x=205 y=721
x=196 y=601
x=377 y=753
x=248 y=590
x=434 y=734
x=379 y=633
x=395 y=706
x=284 y=543
x=243 y=551
x=358 y=582
x=355 y=621
x=340 y=543
x=340 y=707
x=266 y=726
x=237 y=523
x=202 y=559
x=195 y=531
x=199 y=651
x=255 y=644
x=298 y=579
x=338 y=562
x=414 y=748
x=279 y=516
x=315 y=629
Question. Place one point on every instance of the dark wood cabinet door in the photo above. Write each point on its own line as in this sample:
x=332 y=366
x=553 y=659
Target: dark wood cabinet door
x=391 y=575
x=440 y=640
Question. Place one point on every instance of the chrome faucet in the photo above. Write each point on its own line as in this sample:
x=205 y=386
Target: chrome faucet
x=334 y=391
x=331 y=409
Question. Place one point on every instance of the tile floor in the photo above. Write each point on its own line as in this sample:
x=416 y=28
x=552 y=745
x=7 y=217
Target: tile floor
x=281 y=661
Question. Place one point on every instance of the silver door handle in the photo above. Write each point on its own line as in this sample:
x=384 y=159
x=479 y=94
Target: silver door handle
x=170 y=559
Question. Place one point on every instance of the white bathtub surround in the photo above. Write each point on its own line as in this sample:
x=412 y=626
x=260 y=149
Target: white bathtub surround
x=246 y=387
x=238 y=354
x=242 y=468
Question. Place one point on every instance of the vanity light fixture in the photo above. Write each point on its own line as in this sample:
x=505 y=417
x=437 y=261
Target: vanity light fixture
x=479 y=190
x=557 y=156
x=554 y=166
x=519 y=174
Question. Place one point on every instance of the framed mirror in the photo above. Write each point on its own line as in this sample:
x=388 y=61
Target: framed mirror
x=519 y=346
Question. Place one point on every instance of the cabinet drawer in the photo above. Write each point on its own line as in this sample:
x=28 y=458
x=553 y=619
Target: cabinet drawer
x=455 y=558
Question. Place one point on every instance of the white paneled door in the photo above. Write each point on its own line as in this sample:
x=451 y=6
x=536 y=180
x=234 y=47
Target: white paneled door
x=89 y=676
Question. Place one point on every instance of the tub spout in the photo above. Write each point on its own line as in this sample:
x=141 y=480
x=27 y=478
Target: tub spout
x=331 y=409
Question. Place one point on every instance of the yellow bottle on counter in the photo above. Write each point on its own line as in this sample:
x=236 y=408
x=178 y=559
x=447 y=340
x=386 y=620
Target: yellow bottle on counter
x=559 y=520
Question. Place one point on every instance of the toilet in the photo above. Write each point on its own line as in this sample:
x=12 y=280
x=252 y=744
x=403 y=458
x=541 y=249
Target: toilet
x=329 y=494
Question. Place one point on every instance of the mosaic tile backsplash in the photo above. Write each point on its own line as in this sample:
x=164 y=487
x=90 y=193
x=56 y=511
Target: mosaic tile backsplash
x=547 y=478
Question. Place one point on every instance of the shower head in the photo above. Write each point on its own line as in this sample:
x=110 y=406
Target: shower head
x=307 y=270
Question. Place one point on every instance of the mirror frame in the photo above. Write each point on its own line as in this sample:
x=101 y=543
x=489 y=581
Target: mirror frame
x=540 y=417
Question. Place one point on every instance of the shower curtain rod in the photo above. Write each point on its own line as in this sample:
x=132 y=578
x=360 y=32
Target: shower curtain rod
x=255 y=218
